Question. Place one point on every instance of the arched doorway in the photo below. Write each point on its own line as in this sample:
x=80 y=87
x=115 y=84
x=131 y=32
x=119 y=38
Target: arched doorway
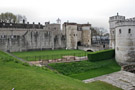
x=79 y=43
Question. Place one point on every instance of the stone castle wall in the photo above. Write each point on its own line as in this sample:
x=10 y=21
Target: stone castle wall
x=71 y=35
x=86 y=36
x=25 y=39
x=123 y=38
x=125 y=43
x=50 y=36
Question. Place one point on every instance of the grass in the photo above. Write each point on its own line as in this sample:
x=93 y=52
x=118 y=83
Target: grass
x=20 y=76
x=48 y=54
x=85 y=69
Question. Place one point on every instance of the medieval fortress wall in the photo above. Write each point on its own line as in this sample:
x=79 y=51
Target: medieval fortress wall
x=29 y=39
x=24 y=37
x=77 y=33
x=124 y=39
x=86 y=37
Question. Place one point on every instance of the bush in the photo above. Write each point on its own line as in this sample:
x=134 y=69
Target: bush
x=25 y=64
x=101 y=55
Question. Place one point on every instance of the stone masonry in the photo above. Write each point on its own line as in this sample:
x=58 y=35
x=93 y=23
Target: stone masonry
x=121 y=79
x=16 y=37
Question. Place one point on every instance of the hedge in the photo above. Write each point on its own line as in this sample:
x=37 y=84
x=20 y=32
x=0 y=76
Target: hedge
x=101 y=55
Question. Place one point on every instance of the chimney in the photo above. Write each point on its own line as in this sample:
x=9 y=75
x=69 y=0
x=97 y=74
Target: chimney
x=39 y=25
x=23 y=21
x=27 y=25
x=33 y=24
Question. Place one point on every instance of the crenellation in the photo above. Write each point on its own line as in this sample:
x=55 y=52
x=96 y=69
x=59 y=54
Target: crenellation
x=26 y=36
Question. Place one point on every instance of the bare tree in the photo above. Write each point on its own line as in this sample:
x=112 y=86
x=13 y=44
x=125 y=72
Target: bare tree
x=20 y=18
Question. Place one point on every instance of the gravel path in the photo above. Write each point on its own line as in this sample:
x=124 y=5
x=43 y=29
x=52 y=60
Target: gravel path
x=121 y=79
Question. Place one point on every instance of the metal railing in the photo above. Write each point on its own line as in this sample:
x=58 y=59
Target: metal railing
x=54 y=56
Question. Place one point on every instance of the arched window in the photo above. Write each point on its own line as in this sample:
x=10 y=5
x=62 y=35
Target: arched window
x=119 y=31
x=129 y=30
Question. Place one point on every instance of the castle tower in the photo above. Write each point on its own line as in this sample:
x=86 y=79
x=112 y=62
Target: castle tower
x=71 y=35
x=125 y=41
x=112 y=21
x=86 y=35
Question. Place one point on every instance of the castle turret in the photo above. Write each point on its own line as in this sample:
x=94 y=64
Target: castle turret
x=125 y=41
x=71 y=35
x=86 y=35
x=112 y=21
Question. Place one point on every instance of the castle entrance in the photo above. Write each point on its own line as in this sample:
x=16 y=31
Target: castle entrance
x=79 y=43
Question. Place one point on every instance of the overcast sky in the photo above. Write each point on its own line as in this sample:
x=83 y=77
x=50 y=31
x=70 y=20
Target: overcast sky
x=96 y=12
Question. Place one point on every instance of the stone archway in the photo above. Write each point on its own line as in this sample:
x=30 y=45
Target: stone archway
x=79 y=43
x=89 y=51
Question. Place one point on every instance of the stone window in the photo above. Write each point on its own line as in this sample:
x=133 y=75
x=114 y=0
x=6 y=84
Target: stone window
x=15 y=36
x=129 y=30
x=119 y=31
x=12 y=36
x=54 y=28
x=3 y=36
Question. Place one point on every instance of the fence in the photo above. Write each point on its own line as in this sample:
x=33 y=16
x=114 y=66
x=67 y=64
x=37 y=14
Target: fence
x=57 y=57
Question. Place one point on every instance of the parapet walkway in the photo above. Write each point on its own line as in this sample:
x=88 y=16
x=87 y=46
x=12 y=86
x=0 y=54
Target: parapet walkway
x=121 y=79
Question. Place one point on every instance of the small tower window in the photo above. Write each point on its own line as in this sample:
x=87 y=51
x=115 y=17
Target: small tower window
x=119 y=31
x=129 y=30
x=10 y=24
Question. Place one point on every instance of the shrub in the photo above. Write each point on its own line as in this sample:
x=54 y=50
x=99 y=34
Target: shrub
x=101 y=55
x=16 y=61
x=25 y=64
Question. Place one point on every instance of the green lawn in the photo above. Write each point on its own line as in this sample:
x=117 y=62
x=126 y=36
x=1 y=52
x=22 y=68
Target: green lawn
x=85 y=69
x=14 y=74
x=48 y=54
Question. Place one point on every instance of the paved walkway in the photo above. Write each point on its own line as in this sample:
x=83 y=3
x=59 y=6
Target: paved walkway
x=121 y=79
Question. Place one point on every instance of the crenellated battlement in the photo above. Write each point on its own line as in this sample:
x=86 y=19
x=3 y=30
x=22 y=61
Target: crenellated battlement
x=126 y=22
x=116 y=18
